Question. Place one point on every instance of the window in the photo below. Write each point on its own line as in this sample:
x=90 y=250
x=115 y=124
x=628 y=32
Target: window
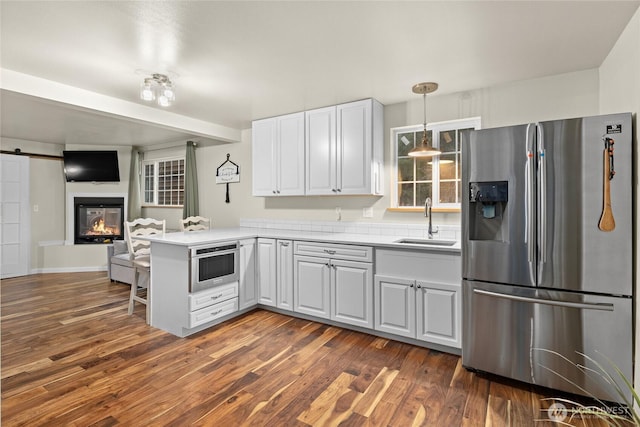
x=415 y=178
x=163 y=182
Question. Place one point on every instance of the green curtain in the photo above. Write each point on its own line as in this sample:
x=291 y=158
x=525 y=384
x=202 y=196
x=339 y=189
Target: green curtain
x=191 y=201
x=134 y=209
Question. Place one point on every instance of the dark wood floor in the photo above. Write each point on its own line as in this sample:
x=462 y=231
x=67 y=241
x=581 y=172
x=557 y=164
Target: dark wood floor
x=72 y=356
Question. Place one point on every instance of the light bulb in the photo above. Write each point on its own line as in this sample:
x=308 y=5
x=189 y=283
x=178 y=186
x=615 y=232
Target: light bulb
x=163 y=101
x=169 y=93
x=146 y=92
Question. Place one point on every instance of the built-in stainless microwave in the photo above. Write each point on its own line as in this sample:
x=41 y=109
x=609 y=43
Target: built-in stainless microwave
x=213 y=264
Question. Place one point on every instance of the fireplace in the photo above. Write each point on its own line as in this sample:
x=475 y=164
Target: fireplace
x=98 y=219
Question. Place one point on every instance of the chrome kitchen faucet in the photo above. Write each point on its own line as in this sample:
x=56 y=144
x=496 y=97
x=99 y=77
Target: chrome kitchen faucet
x=427 y=213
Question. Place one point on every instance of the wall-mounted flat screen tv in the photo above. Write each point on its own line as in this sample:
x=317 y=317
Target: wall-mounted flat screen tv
x=91 y=166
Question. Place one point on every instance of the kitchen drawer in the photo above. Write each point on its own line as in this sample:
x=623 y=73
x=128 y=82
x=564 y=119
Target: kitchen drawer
x=212 y=296
x=207 y=314
x=335 y=251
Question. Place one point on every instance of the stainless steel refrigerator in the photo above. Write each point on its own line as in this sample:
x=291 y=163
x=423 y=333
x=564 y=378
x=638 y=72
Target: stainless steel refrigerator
x=547 y=252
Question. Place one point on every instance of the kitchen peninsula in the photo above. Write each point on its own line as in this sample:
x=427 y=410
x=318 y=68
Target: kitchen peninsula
x=389 y=285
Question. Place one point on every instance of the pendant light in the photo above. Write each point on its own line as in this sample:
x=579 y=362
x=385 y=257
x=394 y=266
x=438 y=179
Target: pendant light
x=424 y=149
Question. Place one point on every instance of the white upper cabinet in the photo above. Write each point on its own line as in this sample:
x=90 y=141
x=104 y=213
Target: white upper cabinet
x=320 y=132
x=278 y=156
x=344 y=152
x=328 y=151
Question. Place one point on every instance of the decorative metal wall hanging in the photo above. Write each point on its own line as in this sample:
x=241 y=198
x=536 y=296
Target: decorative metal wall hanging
x=227 y=172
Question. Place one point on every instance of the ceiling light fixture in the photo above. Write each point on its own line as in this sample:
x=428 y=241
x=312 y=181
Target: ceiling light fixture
x=158 y=88
x=424 y=149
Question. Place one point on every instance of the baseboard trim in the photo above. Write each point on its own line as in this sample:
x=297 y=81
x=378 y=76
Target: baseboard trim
x=67 y=270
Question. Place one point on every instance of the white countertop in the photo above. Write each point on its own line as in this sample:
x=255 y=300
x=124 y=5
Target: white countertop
x=194 y=238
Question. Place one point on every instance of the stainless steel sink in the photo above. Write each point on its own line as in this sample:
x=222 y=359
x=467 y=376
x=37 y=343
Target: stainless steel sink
x=427 y=242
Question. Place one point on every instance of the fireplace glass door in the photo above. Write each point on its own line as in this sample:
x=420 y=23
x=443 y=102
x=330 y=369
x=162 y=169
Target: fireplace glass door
x=98 y=223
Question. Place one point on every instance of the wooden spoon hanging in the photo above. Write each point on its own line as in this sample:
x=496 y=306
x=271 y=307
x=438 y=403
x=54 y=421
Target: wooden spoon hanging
x=607 y=222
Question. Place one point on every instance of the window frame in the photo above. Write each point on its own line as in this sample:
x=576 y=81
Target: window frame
x=156 y=180
x=435 y=129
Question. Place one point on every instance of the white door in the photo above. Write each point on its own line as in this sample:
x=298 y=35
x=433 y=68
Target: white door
x=354 y=142
x=352 y=293
x=312 y=279
x=15 y=216
x=248 y=291
x=290 y=167
x=395 y=306
x=263 y=145
x=321 y=151
x=438 y=313
x=285 y=274
x=267 y=271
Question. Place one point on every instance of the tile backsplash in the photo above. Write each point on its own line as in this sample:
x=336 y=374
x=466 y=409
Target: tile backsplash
x=446 y=232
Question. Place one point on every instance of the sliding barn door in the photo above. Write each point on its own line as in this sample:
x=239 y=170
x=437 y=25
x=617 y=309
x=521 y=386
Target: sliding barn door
x=15 y=216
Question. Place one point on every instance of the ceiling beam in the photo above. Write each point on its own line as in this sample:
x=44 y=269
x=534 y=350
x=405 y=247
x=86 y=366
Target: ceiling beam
x=109 y=106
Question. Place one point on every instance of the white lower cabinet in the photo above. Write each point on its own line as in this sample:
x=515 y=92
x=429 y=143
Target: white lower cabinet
x=334 y=288
x=312 y=278
x=395 y=310
x=414 y=294
x=210 y=304
x=275 y=273
x=408 y=304
x=418 y=309
x=284 y=274
x=267 y=285
x=248 y=292
x=438 y=308
x=352 y=293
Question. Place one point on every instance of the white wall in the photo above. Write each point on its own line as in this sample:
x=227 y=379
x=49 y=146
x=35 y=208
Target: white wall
x=620 y=92
x=561 y=96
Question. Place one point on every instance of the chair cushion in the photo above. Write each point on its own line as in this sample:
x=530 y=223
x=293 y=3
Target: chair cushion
x=143 y=262
x=120 y=247
x=122 y=259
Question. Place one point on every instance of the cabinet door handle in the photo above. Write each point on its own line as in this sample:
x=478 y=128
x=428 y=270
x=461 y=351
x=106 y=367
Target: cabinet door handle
x=216 y=312
x=216 y=296
x=411 y=285
x=418 y=286
x=284 y=243
x=339 y=190
x=329 y=251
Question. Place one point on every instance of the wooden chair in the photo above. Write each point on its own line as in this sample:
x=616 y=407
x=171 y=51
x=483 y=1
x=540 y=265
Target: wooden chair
x=140 y=253
x=193 y=223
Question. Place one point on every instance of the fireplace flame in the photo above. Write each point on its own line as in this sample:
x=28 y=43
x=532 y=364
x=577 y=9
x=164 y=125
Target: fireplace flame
x=99 y=228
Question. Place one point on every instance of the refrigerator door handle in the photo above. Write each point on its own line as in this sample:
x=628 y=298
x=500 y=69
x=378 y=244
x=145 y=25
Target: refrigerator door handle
x=580 y=305
x=529 y=212
x=543 y=195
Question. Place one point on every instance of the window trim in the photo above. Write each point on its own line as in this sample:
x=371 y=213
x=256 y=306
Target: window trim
x=435 y=128
x=156 y=162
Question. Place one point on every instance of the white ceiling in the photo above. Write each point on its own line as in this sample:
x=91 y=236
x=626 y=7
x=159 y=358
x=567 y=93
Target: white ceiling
x=237 y=61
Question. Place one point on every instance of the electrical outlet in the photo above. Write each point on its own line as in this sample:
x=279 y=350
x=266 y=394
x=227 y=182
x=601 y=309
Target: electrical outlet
x=339 y=213
x=367 y=212
x=35 y=208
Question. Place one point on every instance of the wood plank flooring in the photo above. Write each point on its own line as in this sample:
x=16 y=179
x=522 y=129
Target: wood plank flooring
x=72 y=356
